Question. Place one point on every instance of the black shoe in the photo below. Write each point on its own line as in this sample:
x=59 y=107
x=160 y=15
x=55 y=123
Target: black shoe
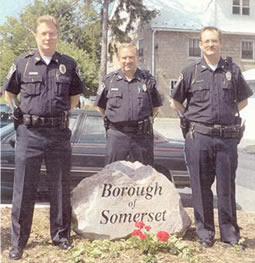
x=65 y=245
x=15 y=253
x=206 y=242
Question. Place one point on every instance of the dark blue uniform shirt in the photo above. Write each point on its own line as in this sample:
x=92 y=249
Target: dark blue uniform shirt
x=210 y=94
x=128 y=101
x=45 y=89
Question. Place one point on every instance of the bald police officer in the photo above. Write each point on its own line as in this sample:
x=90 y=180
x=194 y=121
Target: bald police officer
x=128 y=99
x=215 y=91
x=49 y=86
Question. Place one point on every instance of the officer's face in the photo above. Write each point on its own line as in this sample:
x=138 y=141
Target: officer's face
x=210 y=43
x=46 y=37
x=128 y=60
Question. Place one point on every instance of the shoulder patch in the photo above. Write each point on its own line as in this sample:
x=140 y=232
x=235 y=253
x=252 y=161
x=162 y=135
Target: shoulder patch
x=78 y=73
x=100 y=89
x=179 y=80
x=11 y=71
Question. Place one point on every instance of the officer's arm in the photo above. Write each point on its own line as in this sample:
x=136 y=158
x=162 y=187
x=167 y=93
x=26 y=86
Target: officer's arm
x=9 y=97
x=177 y=106
x=74 y=101
x=100 y=110
x=242 y=104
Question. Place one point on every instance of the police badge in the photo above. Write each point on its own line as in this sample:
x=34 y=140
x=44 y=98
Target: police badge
x=228 y=76
x=144 y=88
x=62 y=69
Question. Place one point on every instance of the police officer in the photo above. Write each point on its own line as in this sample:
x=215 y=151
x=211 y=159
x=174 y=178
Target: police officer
x=215 y=91
x=49 y=86
x=128 y=99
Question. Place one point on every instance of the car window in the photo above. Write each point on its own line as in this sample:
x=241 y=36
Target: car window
x=92 y=131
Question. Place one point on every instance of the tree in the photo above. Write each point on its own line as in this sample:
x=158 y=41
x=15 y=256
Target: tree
x=103 y=63
x=135 y=11
x=79 y=31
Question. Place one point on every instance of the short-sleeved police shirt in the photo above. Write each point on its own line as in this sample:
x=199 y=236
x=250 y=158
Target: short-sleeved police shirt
x=211 y=96
x=45 y=89
x=128 y=101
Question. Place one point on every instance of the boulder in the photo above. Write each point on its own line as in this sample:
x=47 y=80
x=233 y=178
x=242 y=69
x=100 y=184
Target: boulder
x=107 y=204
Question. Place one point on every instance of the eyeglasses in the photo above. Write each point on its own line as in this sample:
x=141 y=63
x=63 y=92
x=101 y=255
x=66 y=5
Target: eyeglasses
x=52 y=35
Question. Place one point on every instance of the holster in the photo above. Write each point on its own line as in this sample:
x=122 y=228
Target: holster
x=238 y=122
x=184 y=125
x=145 y=127
x=106 y=123
x=17 y=117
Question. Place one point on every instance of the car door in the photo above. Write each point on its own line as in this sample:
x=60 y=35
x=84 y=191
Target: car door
x=88 y=146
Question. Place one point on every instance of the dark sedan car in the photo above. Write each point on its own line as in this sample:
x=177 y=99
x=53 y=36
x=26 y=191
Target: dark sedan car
x=88 y=153
x=5 y=114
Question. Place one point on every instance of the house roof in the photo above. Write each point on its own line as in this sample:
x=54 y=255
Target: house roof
x=192 y=15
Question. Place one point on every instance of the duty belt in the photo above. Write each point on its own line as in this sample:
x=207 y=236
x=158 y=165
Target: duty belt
x=49 y=122
x=231 y=131
x=140 y=127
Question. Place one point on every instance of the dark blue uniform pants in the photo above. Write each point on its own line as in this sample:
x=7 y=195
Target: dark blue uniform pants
x=129 y=147
x=207 y=157
x=33 y=145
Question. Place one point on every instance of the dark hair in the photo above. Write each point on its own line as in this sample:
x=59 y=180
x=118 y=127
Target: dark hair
x=210 y=28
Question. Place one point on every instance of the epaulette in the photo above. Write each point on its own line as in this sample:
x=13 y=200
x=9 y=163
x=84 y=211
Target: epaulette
x=66 y=56
x=26 y=55
x=111 y=74
x=29 y=54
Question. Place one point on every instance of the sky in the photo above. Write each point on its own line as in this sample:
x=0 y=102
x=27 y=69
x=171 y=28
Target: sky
x=11 y=8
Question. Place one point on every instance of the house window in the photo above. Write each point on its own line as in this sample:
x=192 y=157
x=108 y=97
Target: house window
x=140 y=49
x=241 y=7
x=247 y=50
x=194 y=50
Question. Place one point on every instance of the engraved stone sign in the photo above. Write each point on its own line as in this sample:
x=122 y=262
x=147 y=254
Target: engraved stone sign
x=107 y=204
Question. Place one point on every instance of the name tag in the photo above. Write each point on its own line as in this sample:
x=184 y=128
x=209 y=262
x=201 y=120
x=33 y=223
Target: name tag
x=33 y=73
x=114 y=89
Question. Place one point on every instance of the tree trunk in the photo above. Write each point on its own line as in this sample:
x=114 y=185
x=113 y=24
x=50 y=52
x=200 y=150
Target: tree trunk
x=103 y=62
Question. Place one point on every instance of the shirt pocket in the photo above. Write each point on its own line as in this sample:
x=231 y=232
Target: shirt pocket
x=144 y=100
x=114 y=99
x=63 y=85
x=228 y=92
x=31 y=86
x=200 y=92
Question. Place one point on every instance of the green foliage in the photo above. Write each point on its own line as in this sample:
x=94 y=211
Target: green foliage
x=80 y=32
x=90 y=251
x=136 y=12
x=87 y=67
x=98 y=249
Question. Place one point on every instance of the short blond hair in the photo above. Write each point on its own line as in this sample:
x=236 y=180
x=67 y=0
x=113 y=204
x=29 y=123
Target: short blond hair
x=46 y=19
x=210 y=28
x=127 y=45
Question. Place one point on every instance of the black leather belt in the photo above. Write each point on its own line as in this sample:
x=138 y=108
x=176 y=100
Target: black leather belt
x=38 y=121
x=123 y=128
x=140 y=127
x=231 y=131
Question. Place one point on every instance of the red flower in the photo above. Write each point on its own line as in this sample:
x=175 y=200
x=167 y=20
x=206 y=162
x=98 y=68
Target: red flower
x=139 y=224
x=136 y=232
x=142 y=236
x=163 y=236
x=147 y=228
